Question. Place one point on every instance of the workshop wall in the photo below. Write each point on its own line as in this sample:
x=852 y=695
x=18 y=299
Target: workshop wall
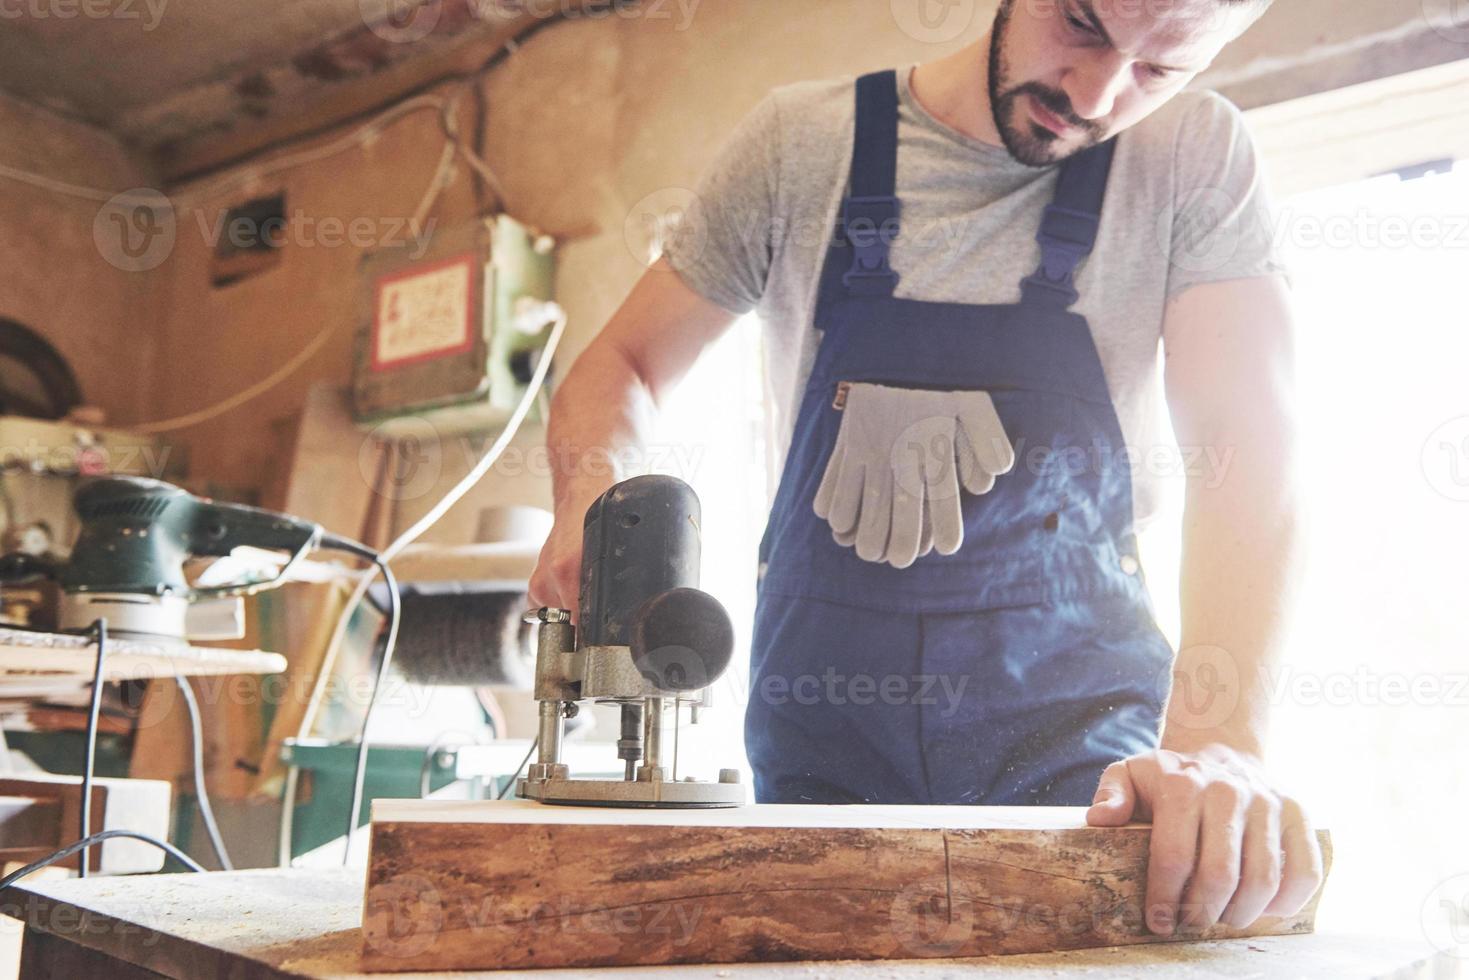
x=585 y=122
x=56 y=278
x=588 y=119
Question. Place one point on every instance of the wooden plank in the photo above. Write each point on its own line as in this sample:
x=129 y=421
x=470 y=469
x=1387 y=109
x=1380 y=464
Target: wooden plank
x=264 y=925
x=454 y=886
x=26 y=656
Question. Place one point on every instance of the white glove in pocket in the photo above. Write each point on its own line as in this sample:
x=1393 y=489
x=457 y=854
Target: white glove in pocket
x=891 y=487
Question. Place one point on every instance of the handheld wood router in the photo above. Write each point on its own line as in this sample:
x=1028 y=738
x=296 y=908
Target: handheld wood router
x=646 y=640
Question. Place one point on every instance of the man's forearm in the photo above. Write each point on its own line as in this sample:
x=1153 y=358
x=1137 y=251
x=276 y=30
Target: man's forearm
x=601 y=418
x=1241 y=556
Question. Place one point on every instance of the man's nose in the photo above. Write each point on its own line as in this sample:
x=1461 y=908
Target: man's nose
x=1093 y=87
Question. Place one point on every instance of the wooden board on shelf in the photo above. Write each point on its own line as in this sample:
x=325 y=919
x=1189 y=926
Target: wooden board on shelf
x=28 y=657
x=454 y=886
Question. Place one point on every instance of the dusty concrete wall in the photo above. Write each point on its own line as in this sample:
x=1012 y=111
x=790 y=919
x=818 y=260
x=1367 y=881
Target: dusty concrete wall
x=61 y=279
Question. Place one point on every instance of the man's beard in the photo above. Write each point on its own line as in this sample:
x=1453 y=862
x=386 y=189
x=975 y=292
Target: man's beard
x=1028 y=141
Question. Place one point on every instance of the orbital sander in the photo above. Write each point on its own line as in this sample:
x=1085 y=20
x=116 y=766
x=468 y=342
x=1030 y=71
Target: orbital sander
x=127 y=565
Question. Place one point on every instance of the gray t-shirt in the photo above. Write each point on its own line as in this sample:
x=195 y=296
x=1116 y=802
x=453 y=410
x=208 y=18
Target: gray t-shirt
x=1185 y=205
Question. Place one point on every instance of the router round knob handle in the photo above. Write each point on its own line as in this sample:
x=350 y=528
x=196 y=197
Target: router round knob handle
x=681 y=640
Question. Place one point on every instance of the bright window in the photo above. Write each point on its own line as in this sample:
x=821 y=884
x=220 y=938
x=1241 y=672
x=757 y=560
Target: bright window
x=1372 y=708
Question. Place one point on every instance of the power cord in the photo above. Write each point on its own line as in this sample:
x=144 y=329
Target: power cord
x=395 y=610
x=98 y=838
x=94 y=712
x=201 y=791
x=87 y=840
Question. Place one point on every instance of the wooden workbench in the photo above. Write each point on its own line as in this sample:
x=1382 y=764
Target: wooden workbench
x=262 y=925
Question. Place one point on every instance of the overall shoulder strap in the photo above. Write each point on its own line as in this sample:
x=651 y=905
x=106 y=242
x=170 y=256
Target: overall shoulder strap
x=1068 y=229
x=857 y=262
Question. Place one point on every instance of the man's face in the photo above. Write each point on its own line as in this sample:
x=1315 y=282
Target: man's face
x=1067 y=74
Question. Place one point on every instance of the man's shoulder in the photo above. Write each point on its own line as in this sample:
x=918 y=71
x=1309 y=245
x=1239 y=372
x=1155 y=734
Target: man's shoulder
x=1192 y=119
x=813 y=125
x=814 y=111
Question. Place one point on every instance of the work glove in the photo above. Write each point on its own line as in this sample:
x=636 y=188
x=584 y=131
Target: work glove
x=891 y=487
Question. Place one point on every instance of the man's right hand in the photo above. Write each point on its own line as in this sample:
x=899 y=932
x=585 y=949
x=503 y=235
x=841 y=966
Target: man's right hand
x=609 y=400
x=556 y=582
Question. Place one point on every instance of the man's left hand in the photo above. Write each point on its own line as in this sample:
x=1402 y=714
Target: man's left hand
x=1226 y=846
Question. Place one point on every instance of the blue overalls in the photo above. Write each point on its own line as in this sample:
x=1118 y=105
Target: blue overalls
x=1016 y=669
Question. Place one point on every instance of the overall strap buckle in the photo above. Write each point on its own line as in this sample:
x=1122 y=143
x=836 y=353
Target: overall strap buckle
x=870 y=226
x=1066 y=237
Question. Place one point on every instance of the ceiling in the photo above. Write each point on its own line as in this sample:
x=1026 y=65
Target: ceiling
x=195 y=84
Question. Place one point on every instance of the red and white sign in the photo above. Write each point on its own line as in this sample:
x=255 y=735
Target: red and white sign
x=424 y=313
